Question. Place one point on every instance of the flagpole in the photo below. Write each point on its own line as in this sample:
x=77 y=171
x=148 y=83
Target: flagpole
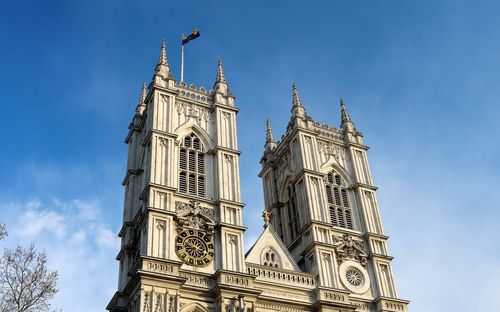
x=182 y=63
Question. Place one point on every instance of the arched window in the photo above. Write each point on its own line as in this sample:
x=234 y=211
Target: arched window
x=337 y=195
x=293 y=218
x=192 y=166
x=270 y=258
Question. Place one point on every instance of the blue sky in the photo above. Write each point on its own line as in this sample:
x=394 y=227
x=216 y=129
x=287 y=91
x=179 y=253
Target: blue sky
x=420 y=79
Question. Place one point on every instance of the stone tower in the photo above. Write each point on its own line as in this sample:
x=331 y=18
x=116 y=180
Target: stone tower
x=183 y=210
x=322 y=248
x=320 y=198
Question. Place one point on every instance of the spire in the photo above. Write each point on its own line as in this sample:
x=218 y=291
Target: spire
x=346 y=122
x=162 y=68
x=220 y=73
x=270 y=143
x=297 y=108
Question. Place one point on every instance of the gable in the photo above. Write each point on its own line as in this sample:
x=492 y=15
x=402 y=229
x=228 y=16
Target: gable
x=268 y=244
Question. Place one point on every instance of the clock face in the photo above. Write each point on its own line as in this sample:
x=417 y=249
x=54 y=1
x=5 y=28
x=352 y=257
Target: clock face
x=194 y=247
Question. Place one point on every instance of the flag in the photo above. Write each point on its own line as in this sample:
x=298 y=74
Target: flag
x=195 y=34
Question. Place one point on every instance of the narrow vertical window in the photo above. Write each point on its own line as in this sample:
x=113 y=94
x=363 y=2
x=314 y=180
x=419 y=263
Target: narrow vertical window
x=337 y=195
x=293 y=218
x=192 y=167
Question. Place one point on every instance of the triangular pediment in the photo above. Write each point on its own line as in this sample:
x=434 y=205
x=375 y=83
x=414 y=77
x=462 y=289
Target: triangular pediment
x=269 y=242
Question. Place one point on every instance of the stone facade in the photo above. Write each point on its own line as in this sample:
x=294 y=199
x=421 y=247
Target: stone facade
x=322 y=249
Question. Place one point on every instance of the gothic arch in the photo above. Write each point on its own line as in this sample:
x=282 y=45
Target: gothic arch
x=187 y=129
x=194 y=307
x=331 y=165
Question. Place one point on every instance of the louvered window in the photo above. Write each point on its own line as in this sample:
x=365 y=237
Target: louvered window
x=337 y=195
x=192 y=167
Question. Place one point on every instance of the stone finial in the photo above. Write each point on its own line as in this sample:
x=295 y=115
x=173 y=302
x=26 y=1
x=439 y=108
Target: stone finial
x=220 y=73
x=269 y=131
x=265 y=216
x=296 y=98
x=297 y=107
x=141 y=105
x=162 y=69
x=345 y=114
x=220 y=85
x=270 y=143
x=346 y=122
x=162 y=59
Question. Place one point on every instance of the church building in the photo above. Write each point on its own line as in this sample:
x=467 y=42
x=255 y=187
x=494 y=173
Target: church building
x=322 y=249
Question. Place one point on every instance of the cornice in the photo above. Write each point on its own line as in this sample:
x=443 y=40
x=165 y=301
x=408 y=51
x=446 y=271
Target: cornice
x=231 y=226
x=225 y=150
x=358 y=185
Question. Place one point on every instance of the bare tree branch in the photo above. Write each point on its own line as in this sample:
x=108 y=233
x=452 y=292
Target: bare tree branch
x=3 y=231
x=26 y=284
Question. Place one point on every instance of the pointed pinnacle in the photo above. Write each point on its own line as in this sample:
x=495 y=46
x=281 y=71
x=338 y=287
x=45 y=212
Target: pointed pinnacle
x=141 y=104
x=162 y=60
x=220 y=73
x=269 y=131
x=296 y=98
x=143 y=93
x=345 y=114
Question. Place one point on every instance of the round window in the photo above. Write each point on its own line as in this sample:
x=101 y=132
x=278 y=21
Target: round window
x=354 y=277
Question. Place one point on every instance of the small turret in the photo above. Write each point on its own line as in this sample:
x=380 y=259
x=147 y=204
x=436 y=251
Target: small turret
x=270 y=143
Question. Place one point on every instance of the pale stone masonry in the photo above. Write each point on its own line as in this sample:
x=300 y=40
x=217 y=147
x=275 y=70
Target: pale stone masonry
x=322 y=249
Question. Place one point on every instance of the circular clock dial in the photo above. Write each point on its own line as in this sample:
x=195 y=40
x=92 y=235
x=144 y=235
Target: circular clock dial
x=194 y=247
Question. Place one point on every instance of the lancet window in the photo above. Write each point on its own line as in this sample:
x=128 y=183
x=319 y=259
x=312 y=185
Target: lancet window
x=337 y=195
x=192 y=166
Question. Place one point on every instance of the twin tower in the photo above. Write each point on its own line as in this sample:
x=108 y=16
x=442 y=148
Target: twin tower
x=323 y=247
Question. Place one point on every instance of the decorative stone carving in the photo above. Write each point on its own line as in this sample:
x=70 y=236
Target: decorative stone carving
x=194 y=216
x=266 y=217
x=332 y=150
x=349 y=249
x=200 y=115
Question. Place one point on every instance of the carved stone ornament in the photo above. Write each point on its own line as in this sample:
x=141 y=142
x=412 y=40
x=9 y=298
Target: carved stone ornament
x=193 y=216
x=349 y=249
x=332 y=150
x=195 y=227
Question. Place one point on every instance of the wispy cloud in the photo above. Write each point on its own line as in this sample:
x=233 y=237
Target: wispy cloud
x=79 y=244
